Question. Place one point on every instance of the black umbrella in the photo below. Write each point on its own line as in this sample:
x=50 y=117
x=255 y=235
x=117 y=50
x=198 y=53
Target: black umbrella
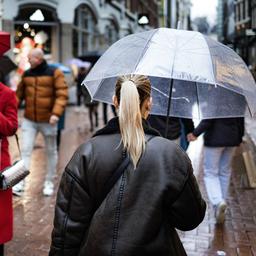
x=6 y=65
x=92 y=56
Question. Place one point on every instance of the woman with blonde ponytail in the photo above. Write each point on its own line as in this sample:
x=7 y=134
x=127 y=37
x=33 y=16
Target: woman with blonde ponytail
x=132 y=98
x=155 y=194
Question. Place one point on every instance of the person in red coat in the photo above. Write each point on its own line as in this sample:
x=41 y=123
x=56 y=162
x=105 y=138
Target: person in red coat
x=8 y=127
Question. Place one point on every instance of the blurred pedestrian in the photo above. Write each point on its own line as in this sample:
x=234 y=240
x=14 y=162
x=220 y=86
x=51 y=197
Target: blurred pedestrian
x=105 y=112
x=80 y=77
x=92 y=108
x=8 y=127
x=156 y=193
x=45 y=92
x=221 y=136
x=61 y=126
x=175 y=127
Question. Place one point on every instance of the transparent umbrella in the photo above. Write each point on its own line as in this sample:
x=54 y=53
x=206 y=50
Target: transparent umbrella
x=192 y=75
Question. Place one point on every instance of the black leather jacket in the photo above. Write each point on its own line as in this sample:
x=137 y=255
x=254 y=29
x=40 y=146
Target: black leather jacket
x=140 y=213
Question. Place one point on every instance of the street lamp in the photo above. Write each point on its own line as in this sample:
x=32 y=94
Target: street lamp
x=143 y=19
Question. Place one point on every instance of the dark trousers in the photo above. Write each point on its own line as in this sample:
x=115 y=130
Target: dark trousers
x=1 y=250
x=58 y=137
x=79 y=98
x=105 y=112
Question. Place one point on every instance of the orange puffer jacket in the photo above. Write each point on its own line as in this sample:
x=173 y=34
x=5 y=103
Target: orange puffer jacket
x=45 y=92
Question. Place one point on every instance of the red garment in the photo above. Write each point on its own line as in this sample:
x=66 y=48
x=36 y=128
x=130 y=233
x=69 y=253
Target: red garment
x=8 y=127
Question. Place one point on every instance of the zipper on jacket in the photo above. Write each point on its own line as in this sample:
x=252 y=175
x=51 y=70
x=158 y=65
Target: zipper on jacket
x=117 y=215
x=35 y=99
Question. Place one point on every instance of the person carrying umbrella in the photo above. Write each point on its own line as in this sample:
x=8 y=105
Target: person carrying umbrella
x=156 y=192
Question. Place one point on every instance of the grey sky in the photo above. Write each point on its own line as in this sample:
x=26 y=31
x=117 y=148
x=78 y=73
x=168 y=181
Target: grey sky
x=204 y=8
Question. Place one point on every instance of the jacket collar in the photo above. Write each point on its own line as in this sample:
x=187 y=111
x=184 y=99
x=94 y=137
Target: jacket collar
x=112 y=127
x=41 y=67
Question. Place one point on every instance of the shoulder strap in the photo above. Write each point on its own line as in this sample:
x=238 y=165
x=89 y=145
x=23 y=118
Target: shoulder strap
x=18 y=144
x=116 y=175
x=114 y=178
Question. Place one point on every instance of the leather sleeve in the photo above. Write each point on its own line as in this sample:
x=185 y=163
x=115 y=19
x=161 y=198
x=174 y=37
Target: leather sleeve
x=203 y=126
x=73 y=210
x=188 y=125
x=188 y=210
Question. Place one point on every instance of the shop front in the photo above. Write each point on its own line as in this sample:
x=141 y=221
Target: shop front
x=36 y=26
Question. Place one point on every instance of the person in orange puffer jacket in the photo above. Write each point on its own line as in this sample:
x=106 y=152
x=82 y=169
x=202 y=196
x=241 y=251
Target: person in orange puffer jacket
x=45 y=92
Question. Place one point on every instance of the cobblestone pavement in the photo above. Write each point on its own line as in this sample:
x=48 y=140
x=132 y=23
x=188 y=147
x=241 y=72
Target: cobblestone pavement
x=33 y=213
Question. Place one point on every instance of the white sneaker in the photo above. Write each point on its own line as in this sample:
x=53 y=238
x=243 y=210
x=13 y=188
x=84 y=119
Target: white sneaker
x=220 y=212
x=48 y=188
x=18 y=189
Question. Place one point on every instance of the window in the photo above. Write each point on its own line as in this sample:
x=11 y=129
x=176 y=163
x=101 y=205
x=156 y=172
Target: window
x=111 y=33
x=246 y=9
x=85 y=33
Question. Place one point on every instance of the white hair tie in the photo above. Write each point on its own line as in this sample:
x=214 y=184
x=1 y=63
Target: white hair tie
x=129 y=83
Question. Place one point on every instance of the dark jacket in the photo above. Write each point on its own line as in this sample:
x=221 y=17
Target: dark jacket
x=140 y=213
x=45 y=92
x=174 y=126
x=222 y=132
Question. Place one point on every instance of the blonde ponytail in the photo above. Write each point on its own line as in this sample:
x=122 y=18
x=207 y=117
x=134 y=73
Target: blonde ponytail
x=131 y=95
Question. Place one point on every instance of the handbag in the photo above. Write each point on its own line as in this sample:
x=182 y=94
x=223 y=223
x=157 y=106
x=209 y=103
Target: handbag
x=13 y=174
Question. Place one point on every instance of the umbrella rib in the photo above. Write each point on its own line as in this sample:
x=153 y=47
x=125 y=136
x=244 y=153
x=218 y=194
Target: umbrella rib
x=188 y=41
x=144 y=50
x=213 y=75
x=168 y=39
x=170 y=93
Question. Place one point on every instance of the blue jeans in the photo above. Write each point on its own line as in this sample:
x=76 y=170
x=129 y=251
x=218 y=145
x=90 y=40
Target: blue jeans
x=217 y=172
x=30 y=130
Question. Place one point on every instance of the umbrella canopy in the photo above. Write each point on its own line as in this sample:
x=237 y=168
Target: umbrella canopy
x=63 y=68
x=91 y=56
x=6 y=65
x=79 y=63
x=191 y=74
x=4 y=42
